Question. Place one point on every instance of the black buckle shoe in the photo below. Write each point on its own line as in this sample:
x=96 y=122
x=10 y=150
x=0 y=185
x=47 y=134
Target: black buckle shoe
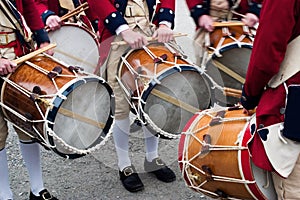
x=44 y=195
x=160 y=170
x=130 y=179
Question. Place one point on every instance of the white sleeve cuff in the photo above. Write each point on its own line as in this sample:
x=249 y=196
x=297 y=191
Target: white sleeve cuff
x=122 y=28
x=168 y=24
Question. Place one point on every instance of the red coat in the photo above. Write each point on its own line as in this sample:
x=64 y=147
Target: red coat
x=279 y=24
x=202 y=7
x=105 y=9
x=28 y=9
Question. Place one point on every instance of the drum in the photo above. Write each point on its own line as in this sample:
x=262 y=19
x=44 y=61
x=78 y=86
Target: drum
x=163 y=88
x=214 y=158
x=62 y=108
x=229 y=55
x=77 y=46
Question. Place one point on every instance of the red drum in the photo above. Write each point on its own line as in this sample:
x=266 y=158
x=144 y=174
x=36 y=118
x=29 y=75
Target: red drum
x=163 y=88
x=77 y=46
x=214 y=158
x=229 y=55
x=63 y=108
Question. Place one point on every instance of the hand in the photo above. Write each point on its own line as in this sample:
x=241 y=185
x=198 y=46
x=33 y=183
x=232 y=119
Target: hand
x=134 y=39
x=7 y=66
x=50 y=51
x=250 y=19
x=206 y=22
x=248 y=112
x=163 y=34
x=53 y=22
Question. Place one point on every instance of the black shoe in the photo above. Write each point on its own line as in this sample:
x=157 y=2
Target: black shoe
x=130 y=179
x=160 y=170
x=44 y=195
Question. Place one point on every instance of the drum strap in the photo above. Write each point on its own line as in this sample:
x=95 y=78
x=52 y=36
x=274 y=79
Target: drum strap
x=290 y=64
x=17 y=21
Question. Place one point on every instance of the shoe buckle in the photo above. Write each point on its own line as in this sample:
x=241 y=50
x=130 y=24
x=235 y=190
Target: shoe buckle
x=46 y=196
x=159 y=162
x=128 y=171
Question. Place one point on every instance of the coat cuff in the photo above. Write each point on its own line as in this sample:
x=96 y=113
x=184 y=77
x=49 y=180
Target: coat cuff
x=166 y=14
x=249 y=102
x=113 y=21
x=199 y=10
x=46 y=14
x=255 y=8
x=40 y=36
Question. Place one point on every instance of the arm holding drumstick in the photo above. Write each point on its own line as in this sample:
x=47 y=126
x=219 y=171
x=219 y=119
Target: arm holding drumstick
x=8 y=66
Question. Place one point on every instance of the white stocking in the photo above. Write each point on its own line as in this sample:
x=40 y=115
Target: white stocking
x=151 y=143
x=31 y=156
x=5 y=191
x=121 y=140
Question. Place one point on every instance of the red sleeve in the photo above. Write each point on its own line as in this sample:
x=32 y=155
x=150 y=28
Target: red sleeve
x=170 y=4
x=41 y=5
x=275 y=30
x=192 y=3
x=102 y=8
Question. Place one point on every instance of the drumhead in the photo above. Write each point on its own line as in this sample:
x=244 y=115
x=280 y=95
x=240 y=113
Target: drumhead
x=83 y=120
x=182 y=91
x=76 y=46
x=229 y=70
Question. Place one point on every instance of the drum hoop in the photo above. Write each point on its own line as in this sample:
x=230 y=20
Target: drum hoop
x=2 y=94
x=231 y=46
x=244 y=165
x=57 y=102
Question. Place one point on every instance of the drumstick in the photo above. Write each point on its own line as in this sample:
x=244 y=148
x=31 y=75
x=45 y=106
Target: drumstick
x=77 y=10
x=239 y=14
x=149 y=39
x=224 y=24
x=34 y=53
x=232 y=92
x=229 y=72
x=175 y=101
x=71 y=114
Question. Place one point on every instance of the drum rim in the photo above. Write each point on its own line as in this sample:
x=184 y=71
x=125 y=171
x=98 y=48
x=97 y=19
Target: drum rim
x=57 y=102
x=229 y=46
x=252 y=188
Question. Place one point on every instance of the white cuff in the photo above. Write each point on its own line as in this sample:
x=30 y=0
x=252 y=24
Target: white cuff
x=121 y=28
x=168 y=24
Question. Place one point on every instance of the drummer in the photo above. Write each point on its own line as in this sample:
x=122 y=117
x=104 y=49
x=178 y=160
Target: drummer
x=132 y=21
x=204 y=13
x=52 y=10
x=14 y=39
